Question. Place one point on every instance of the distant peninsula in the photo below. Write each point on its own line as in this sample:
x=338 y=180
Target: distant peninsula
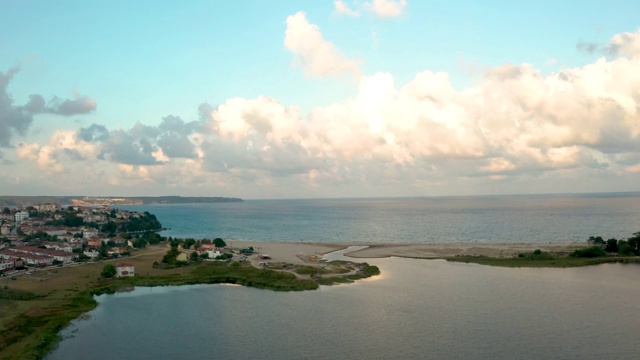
x=19 y=201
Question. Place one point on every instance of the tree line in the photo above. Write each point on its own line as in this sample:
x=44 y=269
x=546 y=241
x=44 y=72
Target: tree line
x=621 y=247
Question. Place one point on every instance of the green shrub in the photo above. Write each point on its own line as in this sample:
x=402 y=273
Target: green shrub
x=592 y=252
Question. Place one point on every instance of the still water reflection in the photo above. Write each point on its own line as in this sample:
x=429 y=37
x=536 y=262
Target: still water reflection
x=416 y=309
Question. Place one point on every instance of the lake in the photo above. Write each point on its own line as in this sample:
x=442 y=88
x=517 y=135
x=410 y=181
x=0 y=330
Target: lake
x=415 y=309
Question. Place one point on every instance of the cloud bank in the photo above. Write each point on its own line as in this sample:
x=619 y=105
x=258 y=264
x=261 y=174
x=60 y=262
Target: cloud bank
x=514 y=125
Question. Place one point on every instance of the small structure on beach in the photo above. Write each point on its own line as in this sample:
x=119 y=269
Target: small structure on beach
x=125 y=269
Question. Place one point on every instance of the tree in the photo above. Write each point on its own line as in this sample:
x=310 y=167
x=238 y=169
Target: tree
x=109 y=227
x=188 y=243
x=624 y=249
x=612 y=246
x=194 y=256
x=171 y=256
x=634 y=242
x=72 y=220
x=218 y=242
x=598 y=241
x=103 y=249
x=592 y=252
x=140 y=243
x=108 y=271
x=6 y=211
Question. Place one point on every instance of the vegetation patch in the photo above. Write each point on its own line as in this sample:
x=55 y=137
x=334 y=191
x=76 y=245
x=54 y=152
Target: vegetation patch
x=6 y=293
x=31 y=335
x=599 y=252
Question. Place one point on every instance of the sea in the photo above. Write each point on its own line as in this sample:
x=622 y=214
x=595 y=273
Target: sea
x=487 y=219
x=416 y=309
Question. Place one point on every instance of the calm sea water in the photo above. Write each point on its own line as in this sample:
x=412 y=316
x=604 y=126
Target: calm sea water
x=524 y=218
x=417 y=309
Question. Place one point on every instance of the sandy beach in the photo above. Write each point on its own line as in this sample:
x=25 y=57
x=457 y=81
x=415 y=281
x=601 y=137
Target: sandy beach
x=305 y=253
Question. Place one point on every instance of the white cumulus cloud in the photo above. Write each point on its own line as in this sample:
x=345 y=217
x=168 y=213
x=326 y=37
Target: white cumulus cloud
x=342 y=8
x=317 y=56
x=387 y=8
x=626 y=44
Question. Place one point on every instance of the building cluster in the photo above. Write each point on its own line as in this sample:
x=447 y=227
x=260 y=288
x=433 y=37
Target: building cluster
x=28 y=238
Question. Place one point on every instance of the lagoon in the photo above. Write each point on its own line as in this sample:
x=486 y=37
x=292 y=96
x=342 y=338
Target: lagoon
x=415 y=309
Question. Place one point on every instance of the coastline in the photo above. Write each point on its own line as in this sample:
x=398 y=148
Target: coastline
x=68 y=293
x=287 y=251
x=452 y=250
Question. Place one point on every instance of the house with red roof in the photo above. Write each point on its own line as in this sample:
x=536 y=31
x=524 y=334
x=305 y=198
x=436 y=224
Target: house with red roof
x=125 y=269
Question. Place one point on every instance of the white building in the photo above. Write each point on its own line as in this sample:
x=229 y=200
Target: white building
x=89 y=233
x=7 y=264
x=21 y=215
x=125 y=269
x=55 y=231
x=48 y=207
x=92 y=253
x=58 y=246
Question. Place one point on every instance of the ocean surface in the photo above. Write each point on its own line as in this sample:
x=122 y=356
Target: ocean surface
x=518 y=218
x=415 y=309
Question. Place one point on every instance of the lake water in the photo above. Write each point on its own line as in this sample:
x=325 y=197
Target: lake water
x=415 y=309
x=523 y=218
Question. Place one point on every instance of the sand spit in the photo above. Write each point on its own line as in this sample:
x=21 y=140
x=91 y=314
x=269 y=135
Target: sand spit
x=446 y=250
x=305 y=252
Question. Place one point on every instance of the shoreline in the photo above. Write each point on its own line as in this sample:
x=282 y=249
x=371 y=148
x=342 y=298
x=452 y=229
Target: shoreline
x=63 y=294
x=457 y=249
x=287 y=251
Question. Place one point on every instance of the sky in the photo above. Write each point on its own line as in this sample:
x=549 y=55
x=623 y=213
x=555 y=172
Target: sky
x=319 y=99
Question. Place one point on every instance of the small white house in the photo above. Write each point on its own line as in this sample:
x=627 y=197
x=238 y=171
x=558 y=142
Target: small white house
x=211 y=252
x=125 y=269
x=92 y=253
x=88 y=233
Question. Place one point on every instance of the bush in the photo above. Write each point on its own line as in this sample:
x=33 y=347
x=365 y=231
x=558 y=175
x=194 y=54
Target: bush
x=536 y=254
x=625 y=250
x=592 y=252
x=224 y=256
x=108 y=271
x=218 y=242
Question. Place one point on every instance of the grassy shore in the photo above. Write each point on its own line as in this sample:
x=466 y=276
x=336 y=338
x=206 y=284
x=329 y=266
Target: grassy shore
x=33 y=309
x=545 y=261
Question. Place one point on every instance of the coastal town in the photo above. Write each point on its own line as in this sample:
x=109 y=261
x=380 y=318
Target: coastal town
x=45 y=235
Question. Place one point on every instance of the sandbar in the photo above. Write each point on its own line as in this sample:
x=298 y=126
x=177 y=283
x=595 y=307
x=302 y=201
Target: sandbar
x=301 y=252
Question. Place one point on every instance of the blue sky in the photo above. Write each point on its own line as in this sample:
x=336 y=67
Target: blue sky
x=330 y=126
